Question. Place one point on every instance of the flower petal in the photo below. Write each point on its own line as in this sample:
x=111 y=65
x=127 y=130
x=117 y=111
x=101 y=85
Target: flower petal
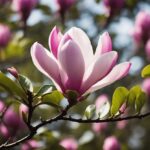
x=100 y=67
x=104 y=44
x=118 y=72
x=54 y=40
x=82 y=40
x=45 y=62
x=71 y=61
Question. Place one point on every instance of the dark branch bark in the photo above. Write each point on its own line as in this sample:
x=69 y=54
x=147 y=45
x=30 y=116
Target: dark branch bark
x=61 y=116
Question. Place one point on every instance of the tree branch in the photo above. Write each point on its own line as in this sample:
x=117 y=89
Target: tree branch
x=61 y=116
x=141 y=116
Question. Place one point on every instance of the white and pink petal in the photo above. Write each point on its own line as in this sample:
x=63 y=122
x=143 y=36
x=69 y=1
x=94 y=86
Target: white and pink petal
x=82 y=40
x=72 y=63
x=100 y=67
x=45 y=62
x=118 y=72
x=104 y=44
x=54 y=40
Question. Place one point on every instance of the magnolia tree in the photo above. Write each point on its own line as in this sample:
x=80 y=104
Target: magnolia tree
x=87 y=88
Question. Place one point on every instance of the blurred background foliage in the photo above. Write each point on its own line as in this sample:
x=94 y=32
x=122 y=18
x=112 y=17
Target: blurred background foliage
x=94 y=19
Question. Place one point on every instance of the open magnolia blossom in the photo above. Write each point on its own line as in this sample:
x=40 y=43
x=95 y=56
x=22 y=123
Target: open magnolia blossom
x=72 y=65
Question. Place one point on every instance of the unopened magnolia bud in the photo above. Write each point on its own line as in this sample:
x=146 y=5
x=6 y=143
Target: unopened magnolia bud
x=30 y=145
x=147 y=49
x=24 y=7
x=4 y=131
x=142 y=27
x=99 y=127
x=122 y=124
x=5 y=35
x=113 y=5
x=13 y=72
x=146 y=86
x=111 y=143
x=69 y=144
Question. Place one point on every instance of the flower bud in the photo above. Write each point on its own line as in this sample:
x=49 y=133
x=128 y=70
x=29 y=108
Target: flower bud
x=141 y=29
x=11 y=119
x=5 y=35
x=64 y=5
x=69 y=144
x=146 y=86
x=2 y=106
x=4 y=131
x=113 y=5
x=30 y=145
x=99 y=127
x=111 y=143
x=122 y=124
x=13 y=72
x=147 y=49
x=24 y=7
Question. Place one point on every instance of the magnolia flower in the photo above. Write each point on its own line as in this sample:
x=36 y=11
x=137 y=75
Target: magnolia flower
x=99 y=127
x=111 y=143
x=122 y=124
x=69 y=144
x=147 y=49
x=113 y=5
x=142 y=27
x=5 y=35
x=71 y=64
x=146 y=86
x=4 y=131
x=30 y=145
x=64 y=5
x=24 y=7
x=13 y=71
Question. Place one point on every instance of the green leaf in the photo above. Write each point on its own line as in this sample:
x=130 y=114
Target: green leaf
x=25 y=83
x=53 y=99
x=11 y=86
x=90 y=111
x=134 y=91
x=119 y=97
x=104 y=110
x=44 y=90
x=140 y=101
x=146 y=71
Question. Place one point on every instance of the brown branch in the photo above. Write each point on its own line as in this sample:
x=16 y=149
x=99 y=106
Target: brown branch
x=141 y=116
x=61 y=116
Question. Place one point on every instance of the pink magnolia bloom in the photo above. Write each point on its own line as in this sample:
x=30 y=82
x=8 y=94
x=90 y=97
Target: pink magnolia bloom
x=146 y=85
x=69 y=144
x=99 y=127
x=4 y=131
x=111 y=143
x=30 y=145
x=71 y=64
x=24 y=7
x=122 y=124
x=5 y=35
x=113 y=5
x=2 y=106
x=64 y=5
x=13 y=121
x=147 y=49
x=142 y=27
